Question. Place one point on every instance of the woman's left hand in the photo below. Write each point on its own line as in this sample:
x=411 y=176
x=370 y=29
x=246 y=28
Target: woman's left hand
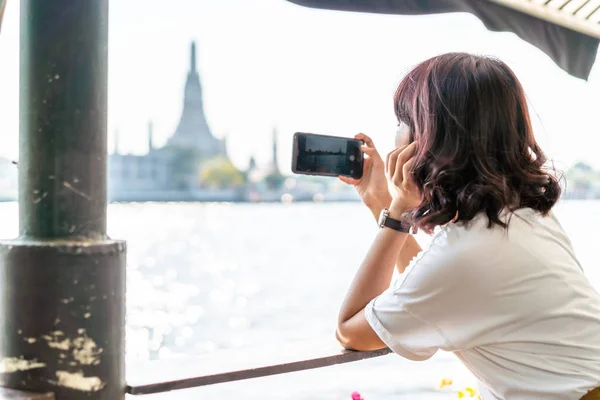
x=404 y=191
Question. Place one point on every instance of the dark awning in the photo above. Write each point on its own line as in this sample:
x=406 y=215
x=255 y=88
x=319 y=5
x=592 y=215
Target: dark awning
x=566 y=30
x=2 y=7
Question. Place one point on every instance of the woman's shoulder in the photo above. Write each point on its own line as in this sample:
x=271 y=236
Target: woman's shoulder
x=522 y=219
x=477 y=238
x=528 y=235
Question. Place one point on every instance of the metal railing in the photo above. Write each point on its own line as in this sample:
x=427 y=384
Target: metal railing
x=234 y=365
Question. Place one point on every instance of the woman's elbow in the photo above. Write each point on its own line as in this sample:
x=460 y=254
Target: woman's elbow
x=342 y=340
x=349 y=341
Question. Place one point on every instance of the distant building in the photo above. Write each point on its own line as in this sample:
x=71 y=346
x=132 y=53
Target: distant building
x=8 y=180
x=192 y=131
x=583 y=182
x=269 y=173
x=174 y=167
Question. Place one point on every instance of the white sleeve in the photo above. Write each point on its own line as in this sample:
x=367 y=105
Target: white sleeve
x=402 y=331
x=407 y=316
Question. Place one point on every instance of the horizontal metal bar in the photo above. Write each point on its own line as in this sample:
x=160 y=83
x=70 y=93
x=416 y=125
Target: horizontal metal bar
x=11 y=394
x=235 y=365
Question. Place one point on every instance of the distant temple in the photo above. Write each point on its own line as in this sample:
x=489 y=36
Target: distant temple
x=192 y=131
x=175 y=166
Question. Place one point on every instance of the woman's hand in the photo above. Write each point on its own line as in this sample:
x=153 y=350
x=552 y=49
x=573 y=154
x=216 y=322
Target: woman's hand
x=372 y=187
x=401 y=186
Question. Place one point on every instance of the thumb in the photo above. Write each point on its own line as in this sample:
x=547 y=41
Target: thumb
x=348 y=180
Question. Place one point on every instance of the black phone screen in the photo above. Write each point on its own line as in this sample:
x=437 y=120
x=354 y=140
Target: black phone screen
x=327 y=155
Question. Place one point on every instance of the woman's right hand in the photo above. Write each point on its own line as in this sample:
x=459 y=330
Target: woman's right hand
x=372 y=187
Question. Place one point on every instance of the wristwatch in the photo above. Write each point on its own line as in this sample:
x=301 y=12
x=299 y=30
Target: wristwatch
x=385 y=221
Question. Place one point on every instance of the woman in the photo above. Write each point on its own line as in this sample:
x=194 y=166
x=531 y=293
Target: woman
x=499 y=285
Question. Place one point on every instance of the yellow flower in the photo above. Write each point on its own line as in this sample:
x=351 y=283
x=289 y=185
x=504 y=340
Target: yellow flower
x=461 y=394
x=471 y=391
x=445 y=382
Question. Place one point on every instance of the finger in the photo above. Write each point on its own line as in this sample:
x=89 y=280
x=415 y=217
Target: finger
x=387 y=162
x=368 y=141
x=405 y=155
x=369 y=146
x=392 y=160
x=408 y=183
x=370 y=151
x=407 y=169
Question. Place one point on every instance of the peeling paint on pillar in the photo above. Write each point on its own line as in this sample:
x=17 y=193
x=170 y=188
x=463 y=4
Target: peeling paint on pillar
x=66 y=347
x=13 y=364
x=76 y=380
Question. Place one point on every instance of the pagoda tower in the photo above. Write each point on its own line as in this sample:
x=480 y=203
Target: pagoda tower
x=192 y=131
x=274 y=162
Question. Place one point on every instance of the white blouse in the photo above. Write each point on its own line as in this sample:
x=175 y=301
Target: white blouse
x=513 y=305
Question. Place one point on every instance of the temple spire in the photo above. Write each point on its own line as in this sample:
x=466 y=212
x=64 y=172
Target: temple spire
x=150 y=137
x=193 y=58
x=192 y=130
x=116 y=142
x=275 y=163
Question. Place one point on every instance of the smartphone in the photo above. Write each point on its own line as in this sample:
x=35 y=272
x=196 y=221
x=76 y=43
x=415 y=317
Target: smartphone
x=324 y=155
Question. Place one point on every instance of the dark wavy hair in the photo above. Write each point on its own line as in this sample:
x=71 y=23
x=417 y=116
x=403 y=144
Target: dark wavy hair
x=476 y=150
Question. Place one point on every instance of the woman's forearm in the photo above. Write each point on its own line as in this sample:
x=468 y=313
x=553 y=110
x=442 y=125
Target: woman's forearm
x=374 y=274
x=410 y=247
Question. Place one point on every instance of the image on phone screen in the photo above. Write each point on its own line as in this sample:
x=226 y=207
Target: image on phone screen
x=327 y=155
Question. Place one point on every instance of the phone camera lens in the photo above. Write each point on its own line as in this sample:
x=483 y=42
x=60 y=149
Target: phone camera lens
x=351 y=157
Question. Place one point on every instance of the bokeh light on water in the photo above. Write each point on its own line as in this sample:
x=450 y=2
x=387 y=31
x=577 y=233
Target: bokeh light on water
x=209 y=277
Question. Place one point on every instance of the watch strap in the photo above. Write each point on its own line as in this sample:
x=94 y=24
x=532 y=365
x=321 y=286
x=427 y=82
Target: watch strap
x=386 y=221
x=396 y=225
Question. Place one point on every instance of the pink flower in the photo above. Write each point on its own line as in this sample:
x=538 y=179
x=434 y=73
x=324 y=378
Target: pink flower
x=357 y=396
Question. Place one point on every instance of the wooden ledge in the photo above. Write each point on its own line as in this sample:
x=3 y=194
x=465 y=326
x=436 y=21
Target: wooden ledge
x=12 y=394
x=234 y=365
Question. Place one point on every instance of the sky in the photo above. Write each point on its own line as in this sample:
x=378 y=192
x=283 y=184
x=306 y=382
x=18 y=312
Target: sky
x=324 y=144
x=270 y=63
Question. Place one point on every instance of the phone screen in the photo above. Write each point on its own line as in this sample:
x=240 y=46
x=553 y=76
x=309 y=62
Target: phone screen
x=327 y=155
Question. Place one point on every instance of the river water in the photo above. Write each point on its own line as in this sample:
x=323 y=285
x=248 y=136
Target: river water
x=210 y=277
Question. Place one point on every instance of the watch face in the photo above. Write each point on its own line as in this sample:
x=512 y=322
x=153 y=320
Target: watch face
x=382 y=217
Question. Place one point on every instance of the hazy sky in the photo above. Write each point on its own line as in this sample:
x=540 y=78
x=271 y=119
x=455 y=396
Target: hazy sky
x=268 y=62
x=325 y=144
